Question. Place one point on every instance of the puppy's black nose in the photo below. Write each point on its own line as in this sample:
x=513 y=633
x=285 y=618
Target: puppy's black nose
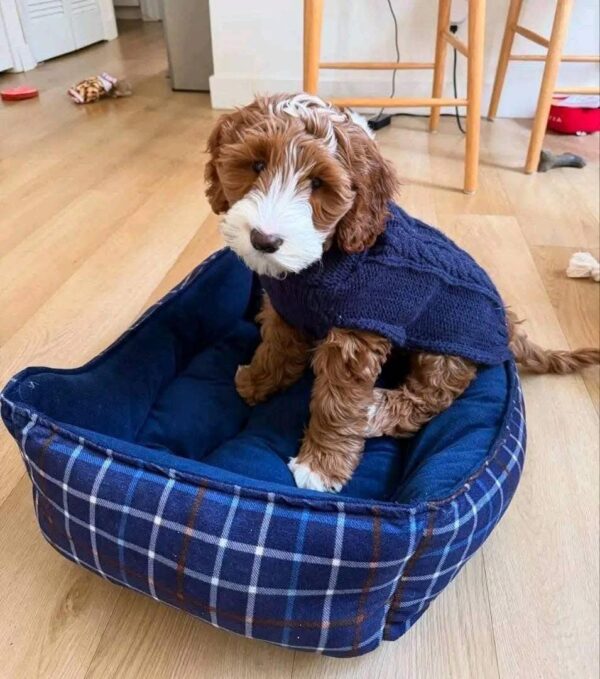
x=265 y=242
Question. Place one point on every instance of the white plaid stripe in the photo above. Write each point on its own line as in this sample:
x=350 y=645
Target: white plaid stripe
x=234 y=586
x=258 y=553
x=499 y=486
x=464 y=558
x=475 y=515
x=412 y=545
x=289 y=606
x=24 y=434
x=214 y=581
x=475 y=507
x=93 y=498
x=442 y=561
x=154 y=535
x=68 y=469
x=212 y=539
x=333 y=575
x=123 y=522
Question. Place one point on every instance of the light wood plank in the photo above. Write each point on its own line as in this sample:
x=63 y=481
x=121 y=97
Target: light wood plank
x=53 y=612
x=576 y=303
x=542 y=563
x=164 y=642
x=454 y=640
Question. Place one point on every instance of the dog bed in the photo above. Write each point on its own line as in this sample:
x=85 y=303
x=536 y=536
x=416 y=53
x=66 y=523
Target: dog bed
x=148 y=469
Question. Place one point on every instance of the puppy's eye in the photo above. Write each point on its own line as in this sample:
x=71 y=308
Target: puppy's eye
x=258 y=166
x=316 y=183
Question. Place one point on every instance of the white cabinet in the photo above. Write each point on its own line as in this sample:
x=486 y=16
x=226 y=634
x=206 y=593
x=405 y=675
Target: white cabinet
x=86 y=22
x=6 y=58
x=54 y=27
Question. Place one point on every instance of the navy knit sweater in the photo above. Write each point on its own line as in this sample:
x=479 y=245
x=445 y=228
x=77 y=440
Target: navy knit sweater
x=414 y=286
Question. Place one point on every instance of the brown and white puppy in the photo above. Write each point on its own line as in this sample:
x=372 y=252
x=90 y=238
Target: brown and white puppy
x=293 y=175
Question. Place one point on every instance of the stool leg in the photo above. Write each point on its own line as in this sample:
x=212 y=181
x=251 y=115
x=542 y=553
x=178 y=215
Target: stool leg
x=313 y=19
x=443 y=23
x=553 y=58
x=512 y=19
x=474 y=87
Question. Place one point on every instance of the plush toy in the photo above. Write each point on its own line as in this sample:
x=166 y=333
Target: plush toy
x=97 y=87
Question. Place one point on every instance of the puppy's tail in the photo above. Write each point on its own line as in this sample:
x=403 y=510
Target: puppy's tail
x=538 y=360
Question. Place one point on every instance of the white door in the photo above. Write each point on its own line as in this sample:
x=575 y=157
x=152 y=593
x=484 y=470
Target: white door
x=6 y=60
x=86 y=22
x=47 y=27
x=54 y=27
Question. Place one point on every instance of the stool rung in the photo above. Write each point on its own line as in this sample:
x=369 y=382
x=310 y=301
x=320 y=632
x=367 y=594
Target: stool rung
x=532 y=35
x=404 y=102
x=575 y=58
x=456 y=43
x=376 y=65
x=577 y=90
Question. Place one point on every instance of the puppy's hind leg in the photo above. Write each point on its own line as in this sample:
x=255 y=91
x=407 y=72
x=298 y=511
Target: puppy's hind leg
x=432 y=385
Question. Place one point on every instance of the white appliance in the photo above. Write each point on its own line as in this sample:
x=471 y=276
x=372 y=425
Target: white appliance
x=186 y=25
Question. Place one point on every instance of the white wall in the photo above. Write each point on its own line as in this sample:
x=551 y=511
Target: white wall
x=257 y=47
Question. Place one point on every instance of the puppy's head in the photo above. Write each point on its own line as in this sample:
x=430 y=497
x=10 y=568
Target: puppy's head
x=293 y=174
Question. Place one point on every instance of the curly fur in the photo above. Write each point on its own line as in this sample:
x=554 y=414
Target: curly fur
x=295 y=139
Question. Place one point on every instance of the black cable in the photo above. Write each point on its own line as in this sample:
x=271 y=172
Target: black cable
x=458 y=122
x=394 y=72
x=393 y=92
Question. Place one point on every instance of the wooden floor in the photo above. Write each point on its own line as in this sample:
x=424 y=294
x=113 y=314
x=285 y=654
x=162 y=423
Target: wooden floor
x=102 y=211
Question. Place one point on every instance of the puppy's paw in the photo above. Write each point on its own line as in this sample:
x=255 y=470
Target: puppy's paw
x=376 y=415
x=305 y=477
x=384 y=420
x=247 y=387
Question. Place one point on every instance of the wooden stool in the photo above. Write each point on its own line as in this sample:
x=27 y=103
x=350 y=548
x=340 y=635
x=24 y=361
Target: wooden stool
x=313 y=20
x=552 y=59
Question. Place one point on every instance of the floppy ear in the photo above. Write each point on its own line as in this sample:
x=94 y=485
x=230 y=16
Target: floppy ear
x=374 y=183
x=214 y=189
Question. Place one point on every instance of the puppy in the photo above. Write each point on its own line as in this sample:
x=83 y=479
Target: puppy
x=307 y=204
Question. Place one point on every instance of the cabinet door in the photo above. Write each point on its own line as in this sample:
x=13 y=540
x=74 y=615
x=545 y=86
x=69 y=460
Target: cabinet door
x=47 y=27
x=54 y=27
x=86 y=22
x=6 y=60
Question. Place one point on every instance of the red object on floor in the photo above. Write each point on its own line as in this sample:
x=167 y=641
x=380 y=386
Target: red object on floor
x=569 y=120
x=17 y=93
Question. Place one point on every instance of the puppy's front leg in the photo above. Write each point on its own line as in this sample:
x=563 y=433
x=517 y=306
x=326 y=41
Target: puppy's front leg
x=346 y=365
x=279 y=360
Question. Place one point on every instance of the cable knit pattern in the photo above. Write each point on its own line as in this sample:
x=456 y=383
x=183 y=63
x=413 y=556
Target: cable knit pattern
x=414 y=286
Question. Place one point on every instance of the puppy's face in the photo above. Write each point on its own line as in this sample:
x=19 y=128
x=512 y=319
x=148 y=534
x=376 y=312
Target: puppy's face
x=291 y=174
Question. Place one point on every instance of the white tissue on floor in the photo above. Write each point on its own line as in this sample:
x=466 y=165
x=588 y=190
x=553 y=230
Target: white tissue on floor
x=584 y=265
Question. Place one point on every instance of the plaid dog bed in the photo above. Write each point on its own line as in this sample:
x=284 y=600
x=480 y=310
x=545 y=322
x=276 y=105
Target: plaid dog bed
x=149 y=470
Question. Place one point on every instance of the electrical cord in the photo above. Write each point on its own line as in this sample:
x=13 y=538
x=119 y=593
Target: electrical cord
x=394 y=72
x=397 y=44
x=458 y=121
